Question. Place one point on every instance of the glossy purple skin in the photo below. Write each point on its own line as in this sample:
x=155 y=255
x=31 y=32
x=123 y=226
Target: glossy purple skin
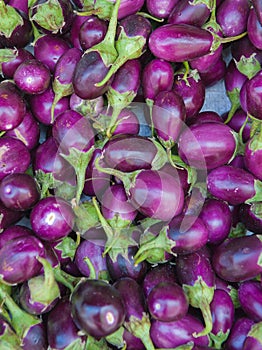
x=237 y=259
x=59 y=319
x=72 y=130
x=41 y=106
x=129 y=152
x=217 y=217
x=132 y=342
x=254 y=29
x=135 y=25
x=189 y=234
x=231 y=184
x=124 y=266
x=129 y=7
x=205 y=117
x=75 y=28
x=8 y=217
x=168 y=115
x=243 y=96
x=184 y=12
x=253 y=159
x=215 y=73
x=157 y=195
x=250 y=217
x=238 y=161
x=203 y=63
x=92 y=32
x=244 y=47
x=115 y=204
x=160 y=9
x=15 y=156
x=21 y=5
x=232 y=16
x=254 y=96
x=127 y=78
x=176 y=333
x=157 y=75
x=52 y=218
x=32 y=77
x=48 y=160
x=28 y=131
x=222 y=310
x=252 y=343
x=167 y=302
x=13 y=106
x=9 y=68
x=179 y=42
x=132 y=296
x=237 y=121
x=190 y=267
x=19 y=191
x=127 y=123
x=192 y=94
x=250 y=298
x=180 y=174
x=18 y=259
x=94 y=252
x=49 y=48
x=238 y=333
x=97 y=308
x=258 y=8
x=36 y=338
x=233 y=78
x=89 y=71
x=207 y=145
x=12 y=232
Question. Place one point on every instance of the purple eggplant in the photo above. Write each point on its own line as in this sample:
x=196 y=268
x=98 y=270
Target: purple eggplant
x=250 y=216
x=12 y=232
x=217 y=217
x=15 y=156
x=253 y=96
x=13 y=106
x=239 y=124
x=186 y=12
x=168 y=115
x=205 y=117
x=129 y=7
x=233 y=185
x=52 y=218
x=258 y=8
x=60 y=14
x=49 y=48
x=19 y=5
x=32 y=77
x=207 y=145
x=192 y=90
x=222 y=310
x=253 y=156
x=195 y=273
x=203 y=63
x=132 y=342
x=78 y=20
x=36 y=338
x=238 y=333
x=97 y=308
x=238 y=259
x=254 y=29
x=28 y=131
x=19 y=191
x=60 y=319
x=90 y=108
x=215 y=73
x=245 y=49
x=177 y=333
x=232 y=17
x=19 y=259
x=9 y=68
x=253 y=340
x=167 y=302
x=160 y=9
x=8 y=217
x=41 y=105
x=95 y=63
x=250 y=298
x=92 y=32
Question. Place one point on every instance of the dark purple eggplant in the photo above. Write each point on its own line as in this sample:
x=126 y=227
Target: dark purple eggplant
x=19 y=260
x=60 y=319
x=215 y=73
x=222 y=310
x=177 y=333
x=250 y=216
x=217 y=217
x=258 y=8
x=9 y=68
x=97 y=308
x=19 y=191
x=203 y=63
x=253 y=96
x=238 y=333
x=132 y=342
x=19 y=5
x=195 y=273
x=238 y=259
x=32 y=77
x=253 y=156
x=254 y=29
x=167 y=302
x=78 y=20
x=12 y=232
x=92 y=32
x=205 y=117
x=233 y=185
x=240 y=124
x=15 y=156
x=253 y=340
x=49 y=48
x=250 y=298
x=13 y=106
x=160 y=9
x=36 y=338
x=207 y=145
x=52 y=218
x=245 y=49
x=186 y=12
x=8 y=217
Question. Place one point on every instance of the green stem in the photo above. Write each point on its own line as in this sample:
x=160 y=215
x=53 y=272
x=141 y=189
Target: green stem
x=186 y=73
x=232 y=38
x=66 y=279
x=113 y=119
x=2 y=133
x=206 y=313
x=233 y=109
x=92 y=271
x=147 y=15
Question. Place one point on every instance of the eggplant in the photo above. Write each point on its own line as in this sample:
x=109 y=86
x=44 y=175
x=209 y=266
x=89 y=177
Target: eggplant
x=250 y=298
x=253 y=156
x=91 y=32
x=250 y=216
x=160 y=9
x=254 y=29
x=253 y=340
x=238 y=333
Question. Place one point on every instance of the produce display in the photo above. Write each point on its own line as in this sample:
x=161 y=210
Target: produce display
x=130 y=210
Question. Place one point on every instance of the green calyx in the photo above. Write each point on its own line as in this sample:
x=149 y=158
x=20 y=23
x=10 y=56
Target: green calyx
x=249 y=66
x=8 y=339
x=101 y=8
x=10 y=19
x=256 y=332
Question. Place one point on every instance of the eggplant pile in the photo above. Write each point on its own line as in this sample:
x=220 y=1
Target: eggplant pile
x=130 y=214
